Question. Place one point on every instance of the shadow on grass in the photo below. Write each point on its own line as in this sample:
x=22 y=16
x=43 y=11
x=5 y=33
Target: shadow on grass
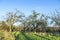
x=28 y=38
x=17 y=37
x=42 y=37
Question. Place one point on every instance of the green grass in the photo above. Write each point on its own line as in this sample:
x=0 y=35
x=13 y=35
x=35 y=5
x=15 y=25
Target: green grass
x=50 y=37
x=1 y=34
x=19 y=36
x=32 y=36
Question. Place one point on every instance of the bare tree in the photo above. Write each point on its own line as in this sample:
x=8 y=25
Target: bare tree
x=13 y=17
x=56 y=18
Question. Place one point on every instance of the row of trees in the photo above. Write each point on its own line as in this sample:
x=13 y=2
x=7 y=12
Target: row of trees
x=34 y=22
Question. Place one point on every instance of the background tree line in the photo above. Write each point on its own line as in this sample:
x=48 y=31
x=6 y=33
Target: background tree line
x=36 y=22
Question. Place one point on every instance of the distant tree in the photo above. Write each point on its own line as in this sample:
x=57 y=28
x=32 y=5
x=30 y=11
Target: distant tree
x=13 y=17
x=33 y=20
x=30 y=21
x=43 y=22
x=55 y=18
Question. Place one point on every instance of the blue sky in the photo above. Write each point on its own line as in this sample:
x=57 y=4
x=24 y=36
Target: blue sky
x=26 y=6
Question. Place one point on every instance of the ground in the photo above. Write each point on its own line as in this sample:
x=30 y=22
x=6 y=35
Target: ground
x=27 y=36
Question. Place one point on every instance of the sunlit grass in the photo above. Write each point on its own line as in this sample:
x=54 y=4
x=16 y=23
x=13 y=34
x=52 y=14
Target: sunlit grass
x=30 y=36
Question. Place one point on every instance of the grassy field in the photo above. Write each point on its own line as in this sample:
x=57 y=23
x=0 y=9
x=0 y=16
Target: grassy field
x=31 y=36
x=34 y=36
